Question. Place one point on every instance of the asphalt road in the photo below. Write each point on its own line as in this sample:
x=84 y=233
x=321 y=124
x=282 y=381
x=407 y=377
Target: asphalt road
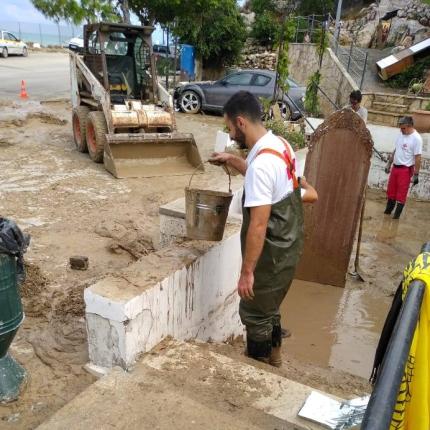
x=46 y=75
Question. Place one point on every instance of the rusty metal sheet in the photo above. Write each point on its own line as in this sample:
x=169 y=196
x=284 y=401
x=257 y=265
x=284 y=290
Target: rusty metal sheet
x=337 y=164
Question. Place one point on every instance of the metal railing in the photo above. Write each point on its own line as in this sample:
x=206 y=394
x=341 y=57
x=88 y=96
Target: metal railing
x=311 y=26
x=353 y=58
x=383 y=400
x=44 y=34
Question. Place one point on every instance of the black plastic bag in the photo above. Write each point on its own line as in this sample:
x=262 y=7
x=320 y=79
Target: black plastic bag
x=14 y=242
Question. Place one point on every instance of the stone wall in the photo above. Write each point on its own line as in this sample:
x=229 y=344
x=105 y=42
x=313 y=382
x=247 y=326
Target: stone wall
x=335 y=81
x=257 y=57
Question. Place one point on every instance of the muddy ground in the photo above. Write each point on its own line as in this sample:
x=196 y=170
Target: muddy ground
x=71 y=206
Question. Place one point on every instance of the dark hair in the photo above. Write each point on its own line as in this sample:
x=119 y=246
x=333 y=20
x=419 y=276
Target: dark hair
x=406 y=120
x=244 y=104
x=356 y=95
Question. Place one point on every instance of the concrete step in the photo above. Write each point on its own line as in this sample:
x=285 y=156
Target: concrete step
x=184 y=386
x=400 y=109
x=392 y=99
x=379 y=117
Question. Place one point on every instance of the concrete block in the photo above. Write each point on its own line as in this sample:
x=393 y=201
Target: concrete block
x=186 y=291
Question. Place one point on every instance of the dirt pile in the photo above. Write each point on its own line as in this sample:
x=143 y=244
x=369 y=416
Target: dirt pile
x=126 y=236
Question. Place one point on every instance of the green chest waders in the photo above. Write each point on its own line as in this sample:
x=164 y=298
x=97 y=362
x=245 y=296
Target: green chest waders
x=273 y=274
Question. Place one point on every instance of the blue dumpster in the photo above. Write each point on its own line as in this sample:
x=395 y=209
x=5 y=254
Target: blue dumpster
x=188 y=63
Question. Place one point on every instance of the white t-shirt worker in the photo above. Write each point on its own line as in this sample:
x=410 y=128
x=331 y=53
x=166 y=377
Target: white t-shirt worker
x=406 y=160
x=266 y=179
x=407 y=147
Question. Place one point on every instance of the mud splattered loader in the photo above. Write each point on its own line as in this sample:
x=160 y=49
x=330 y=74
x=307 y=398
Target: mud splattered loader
x=122 y=116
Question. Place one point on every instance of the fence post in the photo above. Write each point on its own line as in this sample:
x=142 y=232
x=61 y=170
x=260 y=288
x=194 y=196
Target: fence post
x=349 y=57
x=40 y=34
x=59 y=34
x=364 y=71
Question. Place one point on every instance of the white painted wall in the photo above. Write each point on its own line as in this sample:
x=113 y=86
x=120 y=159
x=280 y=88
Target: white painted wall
x=198 y=301
x=384 y=138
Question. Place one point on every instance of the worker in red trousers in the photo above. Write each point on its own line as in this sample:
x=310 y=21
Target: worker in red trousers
x=404 y=164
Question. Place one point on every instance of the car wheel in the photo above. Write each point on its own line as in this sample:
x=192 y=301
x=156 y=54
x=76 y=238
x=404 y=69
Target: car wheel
x=190 y=102
x=4 y=53
x=285 y=109
x=24 y=52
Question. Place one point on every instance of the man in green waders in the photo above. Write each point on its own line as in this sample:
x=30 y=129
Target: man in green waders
x=272 y=229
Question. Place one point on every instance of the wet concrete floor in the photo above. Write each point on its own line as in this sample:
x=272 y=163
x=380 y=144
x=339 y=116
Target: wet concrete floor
x=340 y=328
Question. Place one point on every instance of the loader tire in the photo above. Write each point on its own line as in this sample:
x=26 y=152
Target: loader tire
x=96 y=135
x=79 y=122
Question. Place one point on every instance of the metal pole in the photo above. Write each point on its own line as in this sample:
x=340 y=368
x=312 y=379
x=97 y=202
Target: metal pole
x=382 y=402
x=19 y=30
x=40 y=33
x=59 y=33
x=364 y=71
x=338 y=15
x=349 y=57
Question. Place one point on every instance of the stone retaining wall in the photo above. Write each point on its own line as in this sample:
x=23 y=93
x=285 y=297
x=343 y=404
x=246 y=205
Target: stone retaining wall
x=335 y=80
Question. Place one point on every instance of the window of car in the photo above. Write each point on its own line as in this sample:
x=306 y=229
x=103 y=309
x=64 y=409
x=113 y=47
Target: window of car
x=239 y=79
x=10 y=36
x=261 y=80
x=292 y=84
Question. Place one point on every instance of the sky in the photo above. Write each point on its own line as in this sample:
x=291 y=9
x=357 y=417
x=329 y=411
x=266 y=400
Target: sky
x=22 y=11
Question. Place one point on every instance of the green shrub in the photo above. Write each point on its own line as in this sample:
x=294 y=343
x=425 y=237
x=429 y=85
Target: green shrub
x=265 y=28
x=278 y=127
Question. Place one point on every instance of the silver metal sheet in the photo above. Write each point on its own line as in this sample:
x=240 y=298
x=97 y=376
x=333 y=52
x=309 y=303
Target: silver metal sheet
x=332 y=414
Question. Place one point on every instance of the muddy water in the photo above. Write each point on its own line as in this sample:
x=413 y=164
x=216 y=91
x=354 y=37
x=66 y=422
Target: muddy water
x=340 y=328
x=333 y=327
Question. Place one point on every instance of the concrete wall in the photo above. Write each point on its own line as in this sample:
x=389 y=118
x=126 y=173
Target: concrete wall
x=335 y=81
x=196 y=299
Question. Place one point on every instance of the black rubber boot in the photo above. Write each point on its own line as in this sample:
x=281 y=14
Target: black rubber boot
x=259 y=350
x=398 y=210
x=276 y=356
x=390 y=207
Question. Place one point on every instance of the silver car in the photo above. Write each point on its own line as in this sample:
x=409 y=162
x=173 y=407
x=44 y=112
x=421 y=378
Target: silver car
x=10 y=44
x=197 y=96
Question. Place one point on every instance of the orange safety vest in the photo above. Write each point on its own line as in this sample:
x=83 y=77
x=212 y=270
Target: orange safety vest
x=286 y=156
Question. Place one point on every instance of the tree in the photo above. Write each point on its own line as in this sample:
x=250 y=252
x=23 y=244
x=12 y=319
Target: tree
x=78 y=11
x=214 y=27
x=316 y=7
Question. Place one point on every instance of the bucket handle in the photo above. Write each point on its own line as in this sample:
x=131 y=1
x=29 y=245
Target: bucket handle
x=198 y=168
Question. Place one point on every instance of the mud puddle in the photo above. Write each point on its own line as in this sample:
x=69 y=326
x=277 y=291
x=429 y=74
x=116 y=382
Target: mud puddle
x=340 y=328
x=333 y=327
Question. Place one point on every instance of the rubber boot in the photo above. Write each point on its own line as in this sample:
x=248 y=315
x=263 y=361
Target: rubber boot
x=398 y=210
x=259 y=350
x=276 y=356
x=390 y=206
x=285 y=333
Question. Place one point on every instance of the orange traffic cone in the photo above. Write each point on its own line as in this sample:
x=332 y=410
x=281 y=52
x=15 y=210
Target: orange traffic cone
x=23 y=95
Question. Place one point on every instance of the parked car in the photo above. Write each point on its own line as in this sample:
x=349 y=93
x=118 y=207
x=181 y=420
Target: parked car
x=10 y=44
x=196 y=96
x=164 y=51
x=76 y=44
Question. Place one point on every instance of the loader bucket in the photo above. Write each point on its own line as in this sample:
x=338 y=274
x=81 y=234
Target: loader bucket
x=151 y=154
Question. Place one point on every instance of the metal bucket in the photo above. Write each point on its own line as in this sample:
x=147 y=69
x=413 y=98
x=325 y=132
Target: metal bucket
x=206 y=212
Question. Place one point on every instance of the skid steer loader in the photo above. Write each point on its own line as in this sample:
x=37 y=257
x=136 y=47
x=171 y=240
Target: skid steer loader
x=121 y=115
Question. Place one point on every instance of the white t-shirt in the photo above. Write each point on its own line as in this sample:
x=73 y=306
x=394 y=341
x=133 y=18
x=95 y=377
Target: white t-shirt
x=266 y=179
x=362 y=112
x=407 y=146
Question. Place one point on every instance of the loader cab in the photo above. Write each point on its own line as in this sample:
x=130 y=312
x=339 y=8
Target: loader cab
x=119 y=55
